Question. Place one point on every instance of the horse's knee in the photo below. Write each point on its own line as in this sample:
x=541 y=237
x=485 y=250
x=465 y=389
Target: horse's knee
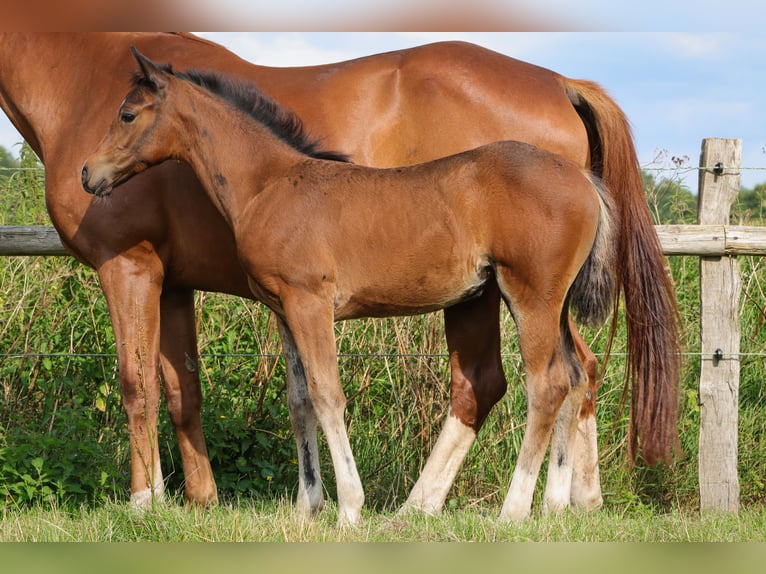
x=546 y=394
x=475 y=391
x=183 y=405
x=590 y=365
x=139 y=401
x=588 y=408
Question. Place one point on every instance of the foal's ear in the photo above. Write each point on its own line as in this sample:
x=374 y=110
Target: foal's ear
x=152 y=73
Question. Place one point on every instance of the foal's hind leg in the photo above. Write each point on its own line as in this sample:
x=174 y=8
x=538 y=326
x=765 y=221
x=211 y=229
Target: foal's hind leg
x=304 y=424
x=536 y=309
x=547 y=387
x=559 y=482
x=478 y=382
x=183 y=395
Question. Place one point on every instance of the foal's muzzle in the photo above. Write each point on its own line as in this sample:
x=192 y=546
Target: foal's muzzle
x=101 y=189
x=84 y=177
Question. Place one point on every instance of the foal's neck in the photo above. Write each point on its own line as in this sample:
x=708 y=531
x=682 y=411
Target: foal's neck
x=232 y=154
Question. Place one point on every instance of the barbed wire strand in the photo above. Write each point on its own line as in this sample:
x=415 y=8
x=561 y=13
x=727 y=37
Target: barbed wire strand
x=340 y=355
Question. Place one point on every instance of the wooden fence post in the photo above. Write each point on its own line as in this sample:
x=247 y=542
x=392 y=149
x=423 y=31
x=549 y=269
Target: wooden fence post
x=719 y=184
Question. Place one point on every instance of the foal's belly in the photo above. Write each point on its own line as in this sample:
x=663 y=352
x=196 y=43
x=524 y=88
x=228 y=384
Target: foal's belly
x=387 y=291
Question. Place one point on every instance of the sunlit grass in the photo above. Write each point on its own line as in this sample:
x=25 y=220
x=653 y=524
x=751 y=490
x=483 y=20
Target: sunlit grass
x=276 y=521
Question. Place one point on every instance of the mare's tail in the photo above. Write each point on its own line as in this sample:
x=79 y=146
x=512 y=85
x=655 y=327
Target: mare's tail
x=650 y=304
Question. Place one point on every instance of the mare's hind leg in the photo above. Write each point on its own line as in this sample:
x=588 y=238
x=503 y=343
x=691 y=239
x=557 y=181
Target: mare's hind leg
x=183 y=395
x=478 y=382
x=586 y=483
x=134 y=301
x=304 y=424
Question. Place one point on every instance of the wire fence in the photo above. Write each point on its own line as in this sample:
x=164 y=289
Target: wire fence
x=679 y=168
x=255 y=355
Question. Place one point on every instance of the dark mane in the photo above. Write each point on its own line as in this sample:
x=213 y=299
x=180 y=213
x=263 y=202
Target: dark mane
x=246 y=97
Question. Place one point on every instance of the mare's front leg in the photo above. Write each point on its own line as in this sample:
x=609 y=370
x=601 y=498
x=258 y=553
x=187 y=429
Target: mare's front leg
x=183 y=394
x=134 y=308
x=478 y=382
x=309 y=319
x=304 y=423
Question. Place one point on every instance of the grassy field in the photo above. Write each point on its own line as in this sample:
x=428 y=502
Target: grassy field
x=63 y=440
x=275 y=521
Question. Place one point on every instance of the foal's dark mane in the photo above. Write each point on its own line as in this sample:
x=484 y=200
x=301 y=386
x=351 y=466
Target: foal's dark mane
x=246 y=97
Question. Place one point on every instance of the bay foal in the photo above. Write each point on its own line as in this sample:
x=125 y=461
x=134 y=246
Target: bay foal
x=321 y=241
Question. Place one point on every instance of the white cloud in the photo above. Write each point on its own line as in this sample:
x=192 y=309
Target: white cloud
x=696 y=46
x=276 y=49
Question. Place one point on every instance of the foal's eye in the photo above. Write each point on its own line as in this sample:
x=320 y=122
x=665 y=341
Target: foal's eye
x=127 y=117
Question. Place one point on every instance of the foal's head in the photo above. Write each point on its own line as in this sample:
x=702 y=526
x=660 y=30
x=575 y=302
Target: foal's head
x=140 y=136
x=145 y=133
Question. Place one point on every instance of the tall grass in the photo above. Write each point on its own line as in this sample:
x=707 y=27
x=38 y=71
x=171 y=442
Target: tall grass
x=63 y=437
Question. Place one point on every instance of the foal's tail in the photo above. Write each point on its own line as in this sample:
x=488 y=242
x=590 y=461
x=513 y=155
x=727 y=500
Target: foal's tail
x=650 y=304
x=593 y=291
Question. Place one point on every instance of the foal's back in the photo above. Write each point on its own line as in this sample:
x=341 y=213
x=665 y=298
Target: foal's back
x=409 y=240
x=506 y=180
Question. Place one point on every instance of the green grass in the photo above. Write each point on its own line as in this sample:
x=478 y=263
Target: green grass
x=275 y=521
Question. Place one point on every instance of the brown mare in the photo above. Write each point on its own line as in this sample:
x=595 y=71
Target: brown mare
x=322 y=241
x=386 y=110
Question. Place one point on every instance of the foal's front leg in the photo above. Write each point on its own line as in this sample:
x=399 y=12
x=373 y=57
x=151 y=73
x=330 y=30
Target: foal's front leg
x=304 y=424
x=309 y=319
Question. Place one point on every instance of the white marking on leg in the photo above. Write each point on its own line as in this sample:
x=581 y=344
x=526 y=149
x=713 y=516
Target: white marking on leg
x=558 y=486
x=586 y=481
x=436 y=479
x=143 y=499
x=518 y=501
x=540 y=421
x=316 y=347
x=350 y=491
x=310 y=493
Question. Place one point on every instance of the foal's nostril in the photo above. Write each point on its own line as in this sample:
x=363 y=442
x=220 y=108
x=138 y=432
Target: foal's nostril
x=84 y=174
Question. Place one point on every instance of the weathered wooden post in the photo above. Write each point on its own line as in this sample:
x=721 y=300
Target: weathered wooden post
x=719 y=184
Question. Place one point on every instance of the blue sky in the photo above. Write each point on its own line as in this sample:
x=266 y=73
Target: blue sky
x=676 y=88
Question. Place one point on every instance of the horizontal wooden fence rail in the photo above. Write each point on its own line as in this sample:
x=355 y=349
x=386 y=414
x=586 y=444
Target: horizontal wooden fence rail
x=693 y=240
x=716 y=243
x=30 y=240
x=712 y=240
